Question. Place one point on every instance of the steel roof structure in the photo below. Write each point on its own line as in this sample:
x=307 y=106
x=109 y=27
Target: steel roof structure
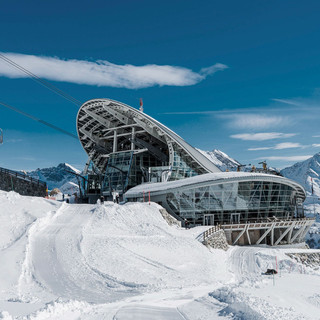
x=106 y=126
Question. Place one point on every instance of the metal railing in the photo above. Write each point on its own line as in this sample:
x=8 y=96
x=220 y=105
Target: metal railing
x=22 y=176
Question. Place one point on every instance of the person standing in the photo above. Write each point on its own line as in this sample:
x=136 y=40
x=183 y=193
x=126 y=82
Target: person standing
x=117 y=197
x=114 y=196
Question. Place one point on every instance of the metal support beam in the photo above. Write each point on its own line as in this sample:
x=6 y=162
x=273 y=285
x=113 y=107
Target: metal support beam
x=133 y=134
x=150 y=130
x=240 y=235
x=117 y=114
x=297 y=233
x=155 y=151
x=92 y=137
x=290 y=233
x=264 y=235
x=248 y=236
x=306 y=231
x=284 y=234
x=101 y=120
x=115 y=142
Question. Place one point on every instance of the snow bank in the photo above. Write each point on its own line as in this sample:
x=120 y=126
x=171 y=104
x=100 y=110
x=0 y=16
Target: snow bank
x=110 y=261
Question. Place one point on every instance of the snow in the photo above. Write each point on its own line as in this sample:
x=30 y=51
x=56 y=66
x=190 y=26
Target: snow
x=220 y=159
x=56 y=177
x=307 y=174
x=110 y=261
x=72 y=168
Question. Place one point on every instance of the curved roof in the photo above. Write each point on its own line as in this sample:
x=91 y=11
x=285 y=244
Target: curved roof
x=100 y=120
x=209 y=179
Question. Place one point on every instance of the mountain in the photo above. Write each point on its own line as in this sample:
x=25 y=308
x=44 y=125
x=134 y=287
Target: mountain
x=220 y=159
x=307 y=173
x=58 y=177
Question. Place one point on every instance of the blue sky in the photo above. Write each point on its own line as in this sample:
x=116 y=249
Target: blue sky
x=242 y=77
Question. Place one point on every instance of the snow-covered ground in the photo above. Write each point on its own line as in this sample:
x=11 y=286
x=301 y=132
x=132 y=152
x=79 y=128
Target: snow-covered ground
x=68 y=261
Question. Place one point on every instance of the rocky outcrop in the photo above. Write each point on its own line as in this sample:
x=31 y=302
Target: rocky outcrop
x=169 y=218
x=217 y=240
x=311 y=259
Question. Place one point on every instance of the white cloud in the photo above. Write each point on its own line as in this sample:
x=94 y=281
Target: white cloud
x=291 y=102
x=105 y=73
x=262 y=136
x=289 y=158
x=280 y=146
x=287 y=145
x=258 y=149
x=256 y=121
x=316 y=145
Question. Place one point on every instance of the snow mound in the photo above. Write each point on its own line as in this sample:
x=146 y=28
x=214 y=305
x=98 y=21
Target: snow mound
x=110 y=261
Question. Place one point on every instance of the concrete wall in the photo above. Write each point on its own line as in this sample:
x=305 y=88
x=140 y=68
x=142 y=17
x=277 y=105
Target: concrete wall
x=9 y=182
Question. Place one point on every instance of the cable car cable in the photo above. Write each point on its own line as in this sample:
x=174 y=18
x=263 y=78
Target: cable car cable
x=39 y=120
x=43 y=82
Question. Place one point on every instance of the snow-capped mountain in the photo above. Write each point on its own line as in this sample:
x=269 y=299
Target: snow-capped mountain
x=220 y=159
x=307 y=173
x=58 y=177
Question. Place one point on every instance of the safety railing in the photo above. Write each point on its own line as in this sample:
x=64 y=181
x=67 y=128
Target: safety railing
x=23 y=176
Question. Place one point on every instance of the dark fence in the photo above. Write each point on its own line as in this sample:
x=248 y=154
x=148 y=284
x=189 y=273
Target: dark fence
x=23 y=176
x=19 y=182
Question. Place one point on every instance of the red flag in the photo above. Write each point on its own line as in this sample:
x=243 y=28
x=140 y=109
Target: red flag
x=141 y=102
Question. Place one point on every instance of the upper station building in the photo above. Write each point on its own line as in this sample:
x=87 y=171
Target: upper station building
x=137 y=156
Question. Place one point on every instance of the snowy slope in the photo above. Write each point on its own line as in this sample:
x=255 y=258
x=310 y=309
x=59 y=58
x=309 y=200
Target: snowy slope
x=220 y=159
x=58 y=177
x=302 y=172
x=307 y=173
x=64 y=261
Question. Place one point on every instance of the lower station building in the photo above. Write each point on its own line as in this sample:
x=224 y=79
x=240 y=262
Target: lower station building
x=140 y=158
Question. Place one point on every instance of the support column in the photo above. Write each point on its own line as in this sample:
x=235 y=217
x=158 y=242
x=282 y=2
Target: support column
x=115 y=141
x=133 y=134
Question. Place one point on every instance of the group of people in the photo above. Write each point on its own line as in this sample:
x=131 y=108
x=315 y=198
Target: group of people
x=115 y=197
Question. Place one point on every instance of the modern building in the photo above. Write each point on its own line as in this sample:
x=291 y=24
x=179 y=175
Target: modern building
x=139 y=157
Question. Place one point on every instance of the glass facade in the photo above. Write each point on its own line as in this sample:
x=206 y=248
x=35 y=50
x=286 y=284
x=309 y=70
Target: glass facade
x=117 y=171
x=234 y=202
x=183 y=167
x=127 y=169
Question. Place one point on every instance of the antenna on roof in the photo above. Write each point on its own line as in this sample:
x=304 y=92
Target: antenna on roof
x=141 y=105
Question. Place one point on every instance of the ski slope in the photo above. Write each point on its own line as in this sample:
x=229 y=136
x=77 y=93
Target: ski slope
x=68 y=261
